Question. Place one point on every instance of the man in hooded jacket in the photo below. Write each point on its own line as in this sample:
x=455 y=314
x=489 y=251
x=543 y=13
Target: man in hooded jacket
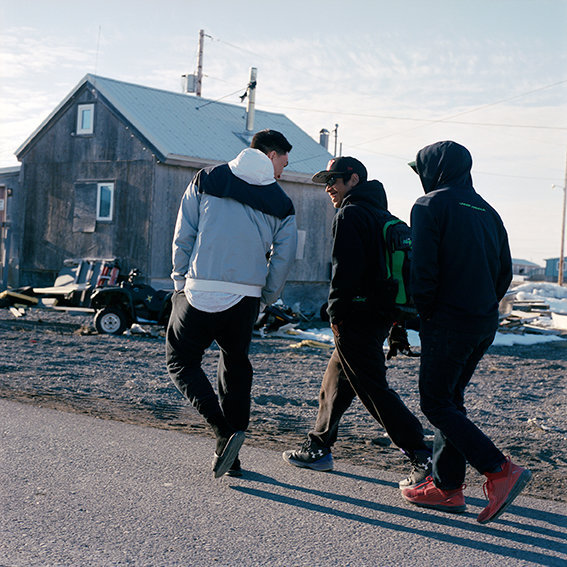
x=461 y=268
x=234 y=243
x=360 y=317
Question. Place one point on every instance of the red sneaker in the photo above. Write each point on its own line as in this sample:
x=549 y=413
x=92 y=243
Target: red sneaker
x=501 y=489
x=427 y=495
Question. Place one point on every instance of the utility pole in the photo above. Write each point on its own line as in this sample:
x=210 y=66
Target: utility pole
x=562 y=253
x=200 y=63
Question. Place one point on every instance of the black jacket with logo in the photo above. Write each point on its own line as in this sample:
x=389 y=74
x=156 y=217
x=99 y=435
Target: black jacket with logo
x=358 y=260
x=461 y=264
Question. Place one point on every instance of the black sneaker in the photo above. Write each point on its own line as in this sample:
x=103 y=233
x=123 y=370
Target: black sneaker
x=420 y=470
x=230 y=449
x=235 y=469
x=310 y=456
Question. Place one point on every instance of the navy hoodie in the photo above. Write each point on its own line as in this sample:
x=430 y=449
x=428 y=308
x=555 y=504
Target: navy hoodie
x=461 y=264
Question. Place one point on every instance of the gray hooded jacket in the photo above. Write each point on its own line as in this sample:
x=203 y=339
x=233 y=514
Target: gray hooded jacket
x=235 y=230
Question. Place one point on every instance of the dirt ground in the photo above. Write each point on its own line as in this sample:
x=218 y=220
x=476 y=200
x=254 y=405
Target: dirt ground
x=518 y=395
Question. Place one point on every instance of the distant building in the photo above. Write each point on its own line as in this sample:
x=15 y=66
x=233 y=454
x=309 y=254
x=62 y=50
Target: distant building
x=103 y=177
x=552 y=269
x=9 y=227
x=524 y=267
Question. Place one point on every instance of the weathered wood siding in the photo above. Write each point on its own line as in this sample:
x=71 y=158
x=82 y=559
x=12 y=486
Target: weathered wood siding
x=58 y=161
x=314 y=216
x=170 y=184
x=11 y=231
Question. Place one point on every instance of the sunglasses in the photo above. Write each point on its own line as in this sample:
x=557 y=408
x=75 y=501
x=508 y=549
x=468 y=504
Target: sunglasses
x=332 y=180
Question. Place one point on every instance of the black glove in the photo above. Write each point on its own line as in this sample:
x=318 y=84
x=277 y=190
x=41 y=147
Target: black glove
x=398 y=342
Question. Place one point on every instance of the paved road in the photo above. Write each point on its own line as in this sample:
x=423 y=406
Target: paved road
x=80 y=491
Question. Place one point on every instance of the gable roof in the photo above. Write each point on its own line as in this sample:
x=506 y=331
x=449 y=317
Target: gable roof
x=184 y=128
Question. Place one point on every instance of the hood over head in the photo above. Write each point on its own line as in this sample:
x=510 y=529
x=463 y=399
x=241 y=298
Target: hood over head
x=371 y=191
x=253 y=166
x=443 y=164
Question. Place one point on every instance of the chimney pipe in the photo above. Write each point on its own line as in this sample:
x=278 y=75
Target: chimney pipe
x=251 y=105
x=324 y=138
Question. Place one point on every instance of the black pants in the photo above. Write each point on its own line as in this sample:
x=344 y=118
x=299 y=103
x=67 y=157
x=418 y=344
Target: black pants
x=190 y=332
x=357 y=367
x=448 y=362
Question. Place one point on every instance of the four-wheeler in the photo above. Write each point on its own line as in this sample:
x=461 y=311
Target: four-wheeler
x=118 y=307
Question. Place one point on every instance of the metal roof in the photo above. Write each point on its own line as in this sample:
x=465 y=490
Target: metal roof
x=185 y=127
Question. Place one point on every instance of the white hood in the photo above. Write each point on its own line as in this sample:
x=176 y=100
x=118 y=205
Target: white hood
x=253 y=166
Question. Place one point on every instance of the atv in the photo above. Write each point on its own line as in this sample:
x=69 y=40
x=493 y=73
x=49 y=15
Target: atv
x=118 y=307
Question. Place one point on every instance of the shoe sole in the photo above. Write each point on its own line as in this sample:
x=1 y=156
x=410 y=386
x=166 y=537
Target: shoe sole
x=312 y=466
x=449 y=509
x=403 y=486
x=519 y=485
x=234 y=473
x=222 y=464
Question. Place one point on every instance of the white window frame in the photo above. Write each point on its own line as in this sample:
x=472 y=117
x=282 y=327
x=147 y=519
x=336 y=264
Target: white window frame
x=99 y=187
x=81 y=108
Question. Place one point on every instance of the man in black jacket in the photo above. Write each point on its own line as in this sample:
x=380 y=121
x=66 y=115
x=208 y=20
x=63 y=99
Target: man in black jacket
x=360 y=317
x=461 y=268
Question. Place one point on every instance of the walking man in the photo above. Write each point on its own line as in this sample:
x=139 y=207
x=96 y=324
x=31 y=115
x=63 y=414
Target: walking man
x=234 y=243
x=461 y=268
x=360 y=318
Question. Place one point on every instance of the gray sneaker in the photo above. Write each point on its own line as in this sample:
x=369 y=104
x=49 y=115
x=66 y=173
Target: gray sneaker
x=310 y=456
x=420 y=470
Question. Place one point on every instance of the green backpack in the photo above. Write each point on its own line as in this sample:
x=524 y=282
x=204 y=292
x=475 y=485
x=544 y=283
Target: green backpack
x=397 y=246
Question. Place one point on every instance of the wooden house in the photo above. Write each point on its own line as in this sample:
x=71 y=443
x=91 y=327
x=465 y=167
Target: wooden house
x=103 y=176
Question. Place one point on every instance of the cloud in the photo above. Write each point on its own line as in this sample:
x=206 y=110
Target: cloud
x=26 y=53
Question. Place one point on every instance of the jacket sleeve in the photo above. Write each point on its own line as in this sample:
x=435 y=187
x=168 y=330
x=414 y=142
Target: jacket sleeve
x=348 y=264
x=282 y=256
x=186 y=229
x=424 y=278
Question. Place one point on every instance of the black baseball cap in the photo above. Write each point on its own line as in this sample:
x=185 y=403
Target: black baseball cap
x=339 y=167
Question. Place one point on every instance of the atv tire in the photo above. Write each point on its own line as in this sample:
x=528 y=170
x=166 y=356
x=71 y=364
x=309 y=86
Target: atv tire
x=110 y=321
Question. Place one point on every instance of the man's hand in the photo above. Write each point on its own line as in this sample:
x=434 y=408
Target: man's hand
x=398 y=342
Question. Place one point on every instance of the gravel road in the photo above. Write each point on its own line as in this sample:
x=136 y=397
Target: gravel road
x=518 y=395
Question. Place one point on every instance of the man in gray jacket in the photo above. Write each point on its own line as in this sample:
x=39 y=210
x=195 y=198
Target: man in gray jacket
x=234 y=243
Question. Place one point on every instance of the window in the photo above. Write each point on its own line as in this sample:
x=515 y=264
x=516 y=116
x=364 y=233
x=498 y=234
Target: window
x=94 y=202
x=104 y=201
x=85 y=119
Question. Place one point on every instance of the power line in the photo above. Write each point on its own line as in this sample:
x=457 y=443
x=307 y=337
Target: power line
x=484 y=106
x=427 y=120
x=218 y=99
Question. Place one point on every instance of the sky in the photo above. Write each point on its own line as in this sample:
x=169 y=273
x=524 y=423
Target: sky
x=394 y=76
